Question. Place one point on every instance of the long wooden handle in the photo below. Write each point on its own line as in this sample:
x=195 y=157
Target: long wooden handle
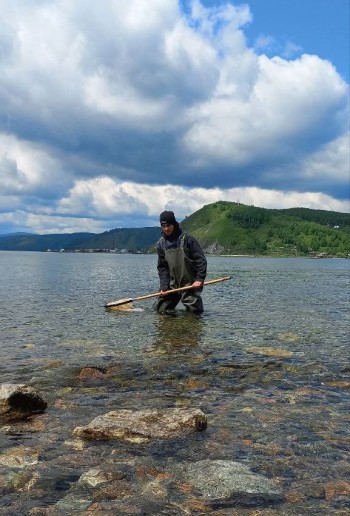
x=157 y=294
x=181 y=289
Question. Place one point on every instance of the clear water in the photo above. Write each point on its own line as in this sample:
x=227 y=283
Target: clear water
x=268 y=362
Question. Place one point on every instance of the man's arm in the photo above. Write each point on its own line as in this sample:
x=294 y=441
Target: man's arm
x=163 y=269
x=200 y=261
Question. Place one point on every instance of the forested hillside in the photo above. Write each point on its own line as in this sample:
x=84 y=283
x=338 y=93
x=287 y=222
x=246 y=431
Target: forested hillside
x=129 y=239
x=222 y=228
x=28 y=242
x=232 y=228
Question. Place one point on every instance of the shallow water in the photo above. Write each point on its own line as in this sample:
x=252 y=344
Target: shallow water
x=268 y=362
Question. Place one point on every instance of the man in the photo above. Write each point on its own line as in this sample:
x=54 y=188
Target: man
x=181 y=262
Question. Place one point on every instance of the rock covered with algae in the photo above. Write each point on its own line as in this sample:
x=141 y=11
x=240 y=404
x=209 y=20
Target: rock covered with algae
x=18 y=401
x=144 y=425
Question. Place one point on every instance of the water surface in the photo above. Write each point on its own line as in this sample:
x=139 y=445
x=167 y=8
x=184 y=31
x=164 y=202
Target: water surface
x=268 y=362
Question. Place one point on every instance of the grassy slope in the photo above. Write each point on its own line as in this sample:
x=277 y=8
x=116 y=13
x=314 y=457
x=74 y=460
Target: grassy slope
x=231 y=228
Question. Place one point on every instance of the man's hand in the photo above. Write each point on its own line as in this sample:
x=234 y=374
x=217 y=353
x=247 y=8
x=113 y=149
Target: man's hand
x=197 y=284
x=163 y=292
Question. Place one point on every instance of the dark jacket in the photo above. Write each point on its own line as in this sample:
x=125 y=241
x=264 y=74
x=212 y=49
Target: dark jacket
x=192 y=250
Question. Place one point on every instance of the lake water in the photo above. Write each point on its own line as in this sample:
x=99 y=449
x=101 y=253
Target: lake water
x=268 y=363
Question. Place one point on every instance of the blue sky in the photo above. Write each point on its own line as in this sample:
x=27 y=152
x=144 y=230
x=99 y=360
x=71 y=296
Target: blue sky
x=111 y=113
x=318 y=27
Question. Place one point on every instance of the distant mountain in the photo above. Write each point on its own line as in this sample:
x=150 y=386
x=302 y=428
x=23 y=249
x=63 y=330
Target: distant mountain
x=19 y=233
x=30 y=242
x=129 y=239
x=221 y=228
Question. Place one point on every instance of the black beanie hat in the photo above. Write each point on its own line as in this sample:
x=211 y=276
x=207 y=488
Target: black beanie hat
x=167 y=217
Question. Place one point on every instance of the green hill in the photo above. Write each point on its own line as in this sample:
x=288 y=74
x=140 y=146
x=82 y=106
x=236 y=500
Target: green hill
x=323 y=217
x=130 y=239
x=232 y=228
x=221 y=228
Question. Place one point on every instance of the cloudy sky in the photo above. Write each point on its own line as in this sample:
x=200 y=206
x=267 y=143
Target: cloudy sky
x=111 y=112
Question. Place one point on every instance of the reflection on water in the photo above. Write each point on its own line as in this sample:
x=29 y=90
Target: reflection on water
x=268 y=362
x=180 y=332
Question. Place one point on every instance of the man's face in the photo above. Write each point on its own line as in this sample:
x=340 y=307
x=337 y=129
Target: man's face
x=167 y=229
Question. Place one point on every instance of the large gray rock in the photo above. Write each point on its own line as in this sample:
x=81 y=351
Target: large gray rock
x=222 y=479
x=17 y=402
x=142 y=426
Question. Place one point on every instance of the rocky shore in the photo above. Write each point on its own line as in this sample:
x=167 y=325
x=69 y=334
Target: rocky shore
x=204 y=436
x=98 y=488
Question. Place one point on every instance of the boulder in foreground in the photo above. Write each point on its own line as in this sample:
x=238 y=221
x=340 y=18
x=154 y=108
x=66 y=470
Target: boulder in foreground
x=17 y=402
x=143 y=426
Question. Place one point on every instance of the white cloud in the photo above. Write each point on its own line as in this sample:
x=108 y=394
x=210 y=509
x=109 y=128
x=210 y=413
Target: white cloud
x=287 y=110
x=265 y=42
x=105 y=198
x=126 y=107
x=53 y=224
x=101 y=204
x=27 y=169
x=291 y=50
x=330 y=162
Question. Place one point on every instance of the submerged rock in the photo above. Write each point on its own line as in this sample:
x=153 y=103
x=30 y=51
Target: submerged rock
x=19 y=457
x=142 y=426
x=336 y=488
x=93 y=477
x=92 y=373
x=222 y=479
x=270 y=352
x=70 y=504
x=18 y=401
